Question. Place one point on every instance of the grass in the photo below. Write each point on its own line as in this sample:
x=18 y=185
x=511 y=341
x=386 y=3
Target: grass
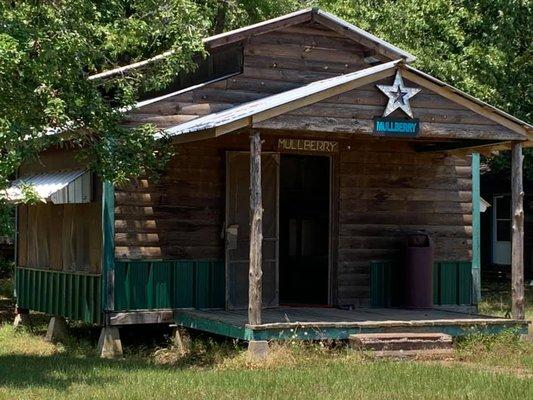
x=30 y=368
x=496 y=299
x=6 y=301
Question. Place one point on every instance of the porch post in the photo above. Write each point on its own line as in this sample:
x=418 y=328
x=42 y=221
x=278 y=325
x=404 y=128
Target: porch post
x=517 y=260
x=256 y=231
x=476 y=231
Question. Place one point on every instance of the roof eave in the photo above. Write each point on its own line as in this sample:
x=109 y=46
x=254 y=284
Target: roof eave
x=260 y=28
x=298 y=17
x=468 y=101
x=256 y=111
x=353 y=32
x=271 y=106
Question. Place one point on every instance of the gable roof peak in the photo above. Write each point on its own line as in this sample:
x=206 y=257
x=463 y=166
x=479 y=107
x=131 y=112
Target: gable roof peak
x=314 y=14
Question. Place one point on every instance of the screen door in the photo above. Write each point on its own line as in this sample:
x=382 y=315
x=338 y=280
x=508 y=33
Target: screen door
x=237 y=228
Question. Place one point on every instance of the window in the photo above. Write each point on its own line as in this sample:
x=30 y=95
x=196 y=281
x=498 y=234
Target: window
x=501 y=230
x=503 y=218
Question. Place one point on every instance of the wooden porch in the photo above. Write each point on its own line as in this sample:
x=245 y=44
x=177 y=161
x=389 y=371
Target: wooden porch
x=319 y=323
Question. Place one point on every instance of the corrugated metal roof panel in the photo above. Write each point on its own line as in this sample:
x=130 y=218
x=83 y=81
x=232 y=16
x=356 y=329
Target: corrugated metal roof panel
x=59 y=187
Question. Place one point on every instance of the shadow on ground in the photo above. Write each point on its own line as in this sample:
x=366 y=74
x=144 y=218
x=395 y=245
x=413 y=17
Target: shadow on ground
x=61 y=371
x=77 y=361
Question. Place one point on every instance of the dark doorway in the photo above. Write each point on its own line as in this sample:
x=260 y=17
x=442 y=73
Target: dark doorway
x=304 y=229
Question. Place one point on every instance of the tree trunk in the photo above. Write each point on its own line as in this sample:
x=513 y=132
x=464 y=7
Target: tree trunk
x=220 y=18
x=256 y=232
x=517 y=260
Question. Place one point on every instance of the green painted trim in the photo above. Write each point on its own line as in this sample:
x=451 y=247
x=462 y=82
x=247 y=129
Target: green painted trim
x=216 y=327
x=344 y=333
x=476 y=230
x=150 y=285
x=108 y=241
x=212 y=326
x=71 y=295
x=452 y=283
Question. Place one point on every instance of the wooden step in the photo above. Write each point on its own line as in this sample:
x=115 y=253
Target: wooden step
x=403 y=344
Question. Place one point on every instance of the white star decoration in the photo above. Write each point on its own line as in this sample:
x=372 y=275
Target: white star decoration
x=398 y=95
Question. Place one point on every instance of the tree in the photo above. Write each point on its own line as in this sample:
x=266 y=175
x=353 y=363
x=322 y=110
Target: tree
x=480 y=46
x=48 y=49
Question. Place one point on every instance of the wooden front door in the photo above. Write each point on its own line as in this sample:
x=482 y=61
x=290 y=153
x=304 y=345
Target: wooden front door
x=237 y=228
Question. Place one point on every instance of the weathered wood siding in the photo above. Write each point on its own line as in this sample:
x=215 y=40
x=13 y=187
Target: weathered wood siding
x=388 y=190
x=178 y=217
x=353 y=112
x=61 y=237
x=292 y=57
x=383 y=189
x=273 y=63
x=52 y=159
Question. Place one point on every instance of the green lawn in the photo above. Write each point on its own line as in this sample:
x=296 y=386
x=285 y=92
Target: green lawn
x=30 y=368
x=496 y=299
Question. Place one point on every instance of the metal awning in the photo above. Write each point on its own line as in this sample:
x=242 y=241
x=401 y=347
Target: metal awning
x=58 y=187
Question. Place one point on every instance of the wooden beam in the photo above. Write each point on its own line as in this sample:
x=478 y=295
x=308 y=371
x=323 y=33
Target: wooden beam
x=517 y=258
x=140 y=317
x=387 y=323
x=256 y=232
x=452 y=146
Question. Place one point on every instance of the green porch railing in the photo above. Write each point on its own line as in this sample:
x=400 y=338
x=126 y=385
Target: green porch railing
x=452 y=283
x=71 y=295
x=141 y=285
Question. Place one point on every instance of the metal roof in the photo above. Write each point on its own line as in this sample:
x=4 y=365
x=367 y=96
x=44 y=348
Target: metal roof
x=45 y=185
x=364 y=36
x=268 y=107
x=467 y=96
x=309 y=14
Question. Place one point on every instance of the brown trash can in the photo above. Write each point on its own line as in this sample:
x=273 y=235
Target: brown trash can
x=419 y=258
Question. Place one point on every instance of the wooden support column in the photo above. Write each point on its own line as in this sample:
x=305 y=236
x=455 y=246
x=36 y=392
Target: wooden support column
x=517 y=210
x=256 y=232
x=476 y=230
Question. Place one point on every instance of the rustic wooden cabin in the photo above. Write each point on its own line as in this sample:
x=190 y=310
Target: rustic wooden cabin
x=306 y=150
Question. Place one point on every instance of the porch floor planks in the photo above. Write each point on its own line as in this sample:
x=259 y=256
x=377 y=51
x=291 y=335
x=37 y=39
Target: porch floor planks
x=317 y=314
x=315 y=323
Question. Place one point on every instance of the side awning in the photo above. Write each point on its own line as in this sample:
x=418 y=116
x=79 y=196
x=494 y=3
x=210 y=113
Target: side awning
x=58 y=187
